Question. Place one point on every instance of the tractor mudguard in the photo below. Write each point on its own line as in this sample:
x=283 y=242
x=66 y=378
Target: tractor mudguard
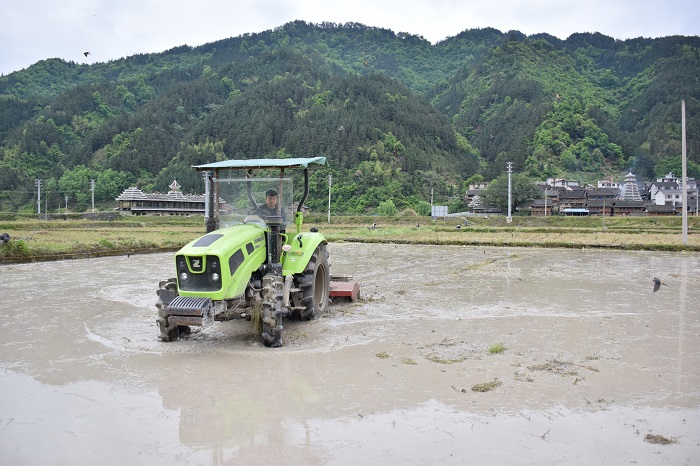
x=303 y=246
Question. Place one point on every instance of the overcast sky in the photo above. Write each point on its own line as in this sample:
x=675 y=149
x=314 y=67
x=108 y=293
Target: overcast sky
x=33 y=30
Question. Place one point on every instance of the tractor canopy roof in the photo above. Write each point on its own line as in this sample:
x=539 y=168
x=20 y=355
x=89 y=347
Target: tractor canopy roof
x=262 y=163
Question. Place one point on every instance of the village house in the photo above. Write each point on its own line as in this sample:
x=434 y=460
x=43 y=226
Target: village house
x=134 y=201
x=624 y=207
x=667 y=191
x=668 y=197
x=611 y=183
x=600 y=207
x=474 y=199
x=653 y=210
x=550 y=198
x=539 y=208
x=562 y=183
x=571 y=201
x=475 y=190
x=602 y=193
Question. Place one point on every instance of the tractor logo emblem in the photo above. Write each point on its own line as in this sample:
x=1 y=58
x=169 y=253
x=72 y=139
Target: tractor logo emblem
x=196 y=264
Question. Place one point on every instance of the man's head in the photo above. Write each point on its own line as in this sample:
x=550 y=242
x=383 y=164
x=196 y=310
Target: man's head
x=271 y=198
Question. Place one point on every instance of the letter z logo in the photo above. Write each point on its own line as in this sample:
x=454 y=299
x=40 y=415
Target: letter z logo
x=196 y=264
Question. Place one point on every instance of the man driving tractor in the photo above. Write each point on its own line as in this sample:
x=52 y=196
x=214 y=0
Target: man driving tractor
x=270 y=207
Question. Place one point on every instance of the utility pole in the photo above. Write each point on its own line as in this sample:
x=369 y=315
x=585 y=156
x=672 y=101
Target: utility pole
x=330 y=183
x=92 y=189
x=684 y=169
x=38 y=194
x=603 y=212
x=510 y=170
x=545 y=201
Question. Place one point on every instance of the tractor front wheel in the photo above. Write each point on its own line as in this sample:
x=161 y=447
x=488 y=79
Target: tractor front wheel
x=314 y=283
x=271 y=315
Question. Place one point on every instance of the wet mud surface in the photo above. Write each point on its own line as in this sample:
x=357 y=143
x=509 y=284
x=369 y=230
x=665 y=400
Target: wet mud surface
x=454 y=355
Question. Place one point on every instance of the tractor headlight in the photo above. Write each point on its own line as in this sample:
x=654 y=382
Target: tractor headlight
x=184 y=276
x=215 y=277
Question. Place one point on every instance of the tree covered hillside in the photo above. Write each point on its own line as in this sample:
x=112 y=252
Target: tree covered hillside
x=396 y=116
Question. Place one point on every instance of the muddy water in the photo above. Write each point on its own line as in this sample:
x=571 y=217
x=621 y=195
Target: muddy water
x=594 y=362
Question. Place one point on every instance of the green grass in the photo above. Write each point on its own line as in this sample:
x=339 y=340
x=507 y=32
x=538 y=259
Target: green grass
x=497 y=348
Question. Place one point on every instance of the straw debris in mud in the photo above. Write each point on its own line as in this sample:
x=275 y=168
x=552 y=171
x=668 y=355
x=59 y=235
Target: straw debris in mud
x=487 y=387
x=659 y=439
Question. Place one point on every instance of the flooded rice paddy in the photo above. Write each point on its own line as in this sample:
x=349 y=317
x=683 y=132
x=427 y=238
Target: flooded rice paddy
x=454 y=355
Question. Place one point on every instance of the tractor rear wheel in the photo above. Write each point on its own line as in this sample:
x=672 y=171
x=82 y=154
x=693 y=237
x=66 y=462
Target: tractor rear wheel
x=314 y=283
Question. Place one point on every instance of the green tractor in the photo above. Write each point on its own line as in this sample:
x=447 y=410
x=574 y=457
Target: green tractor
x=247 y=266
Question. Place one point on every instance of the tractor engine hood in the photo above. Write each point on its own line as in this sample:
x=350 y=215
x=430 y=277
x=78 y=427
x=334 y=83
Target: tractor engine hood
x=219 y=264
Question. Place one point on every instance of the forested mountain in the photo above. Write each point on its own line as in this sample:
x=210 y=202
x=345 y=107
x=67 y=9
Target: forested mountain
x=396 y=116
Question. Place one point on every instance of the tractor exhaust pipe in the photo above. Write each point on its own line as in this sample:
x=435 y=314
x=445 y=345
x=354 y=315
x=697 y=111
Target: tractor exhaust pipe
x=210 y=203
x=306 y=190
